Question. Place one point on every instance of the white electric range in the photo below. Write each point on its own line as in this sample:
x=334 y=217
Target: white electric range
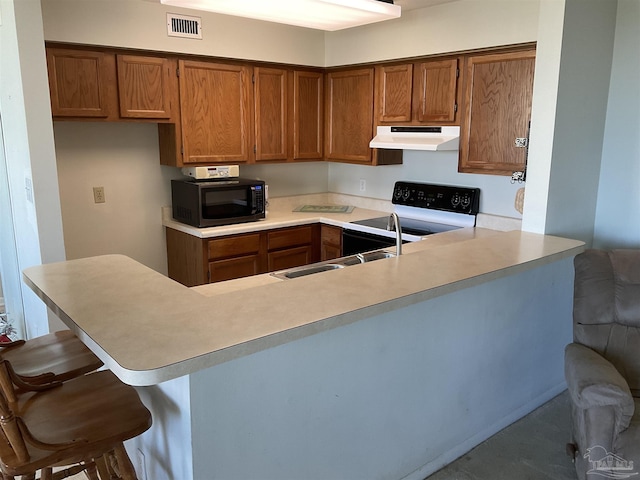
x=423 y=209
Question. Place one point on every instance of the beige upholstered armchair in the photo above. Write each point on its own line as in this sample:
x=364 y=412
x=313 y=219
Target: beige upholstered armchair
x=602 y=366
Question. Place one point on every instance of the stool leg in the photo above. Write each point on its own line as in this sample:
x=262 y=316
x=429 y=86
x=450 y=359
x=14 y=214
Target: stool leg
x=126 y=470
x=103 y=468
x=91 y=471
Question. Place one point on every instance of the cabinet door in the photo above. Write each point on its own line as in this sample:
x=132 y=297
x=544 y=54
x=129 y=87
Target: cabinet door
x=349 y=116
x=290 y=257
x=308 y=126
x=394 y=84
x=289 y=237
x=234 y=246
x=215 y=105
x=330 y=242
x=235 y=256
x=230 y=268
x=271 y=113
x=437 y=91
x=79 y=81
x=186 y=258
x=498 y=96
x=144 y=86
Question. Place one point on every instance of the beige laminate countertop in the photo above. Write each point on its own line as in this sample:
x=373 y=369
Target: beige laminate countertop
x=149 y=329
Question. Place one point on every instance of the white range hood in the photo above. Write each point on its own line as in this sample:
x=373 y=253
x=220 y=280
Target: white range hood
x=417 y=138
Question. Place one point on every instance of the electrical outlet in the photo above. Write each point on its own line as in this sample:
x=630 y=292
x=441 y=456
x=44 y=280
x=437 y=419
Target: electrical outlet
x=363 y=185
x=141 y=468
x=98 y=195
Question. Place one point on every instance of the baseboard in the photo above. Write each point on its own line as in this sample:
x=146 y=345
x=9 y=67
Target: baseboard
x=449 y=456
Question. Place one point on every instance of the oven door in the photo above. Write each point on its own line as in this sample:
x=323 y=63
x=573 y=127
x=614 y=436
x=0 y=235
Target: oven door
x=359 y=242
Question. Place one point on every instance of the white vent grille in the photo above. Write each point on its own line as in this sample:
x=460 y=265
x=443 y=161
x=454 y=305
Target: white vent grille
x=184 y=26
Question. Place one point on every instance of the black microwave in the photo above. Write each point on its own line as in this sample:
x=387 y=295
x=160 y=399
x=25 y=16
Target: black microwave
x=210 y=203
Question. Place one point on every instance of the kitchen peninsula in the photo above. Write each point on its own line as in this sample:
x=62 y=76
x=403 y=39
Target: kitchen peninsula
x=381 y=370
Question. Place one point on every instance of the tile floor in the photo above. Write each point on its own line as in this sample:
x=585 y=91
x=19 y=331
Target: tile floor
x=533 y=448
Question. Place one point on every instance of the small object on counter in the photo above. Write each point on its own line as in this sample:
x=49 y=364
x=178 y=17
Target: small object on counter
x=325 y=208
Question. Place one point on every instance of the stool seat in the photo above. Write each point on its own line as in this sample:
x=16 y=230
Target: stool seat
x=80 y=420
x=60 y=355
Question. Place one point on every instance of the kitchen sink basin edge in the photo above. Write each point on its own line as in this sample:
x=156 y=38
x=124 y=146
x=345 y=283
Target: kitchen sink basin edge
x=334 y=264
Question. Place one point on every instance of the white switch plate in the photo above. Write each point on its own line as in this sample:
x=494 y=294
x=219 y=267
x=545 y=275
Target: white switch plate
x=363 y=185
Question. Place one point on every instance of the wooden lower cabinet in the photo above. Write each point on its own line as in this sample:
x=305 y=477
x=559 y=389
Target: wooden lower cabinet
x=292 y=247
x=237 y=267
x=330 y=242
x=195 y=261
x=235 y=257
x=290 y=257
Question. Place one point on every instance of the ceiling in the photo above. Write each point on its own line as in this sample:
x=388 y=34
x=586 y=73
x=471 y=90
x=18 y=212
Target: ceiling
x=415 y=4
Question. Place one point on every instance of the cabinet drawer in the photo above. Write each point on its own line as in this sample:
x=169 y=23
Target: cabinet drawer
x=230 y=268
x=289 y=237
x=233 y=246
x=290 y=257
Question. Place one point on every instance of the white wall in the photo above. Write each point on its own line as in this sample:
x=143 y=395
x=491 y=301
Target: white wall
x=122 y=158
x=28 y=138
x=585 y=70
x=567 y=124
x=290 y=179
x=391 y=396
x=618 y=210
x=449 y=27
x=142 y=24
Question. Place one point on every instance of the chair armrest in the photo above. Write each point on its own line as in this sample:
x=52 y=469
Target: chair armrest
x=594 y=382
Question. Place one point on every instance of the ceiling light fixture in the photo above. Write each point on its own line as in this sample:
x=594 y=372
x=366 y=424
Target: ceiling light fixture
x=320 y=14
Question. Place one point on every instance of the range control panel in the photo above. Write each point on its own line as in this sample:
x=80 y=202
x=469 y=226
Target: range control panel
x=437 y=197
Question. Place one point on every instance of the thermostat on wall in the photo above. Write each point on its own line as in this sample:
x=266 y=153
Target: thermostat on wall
x=218 y=171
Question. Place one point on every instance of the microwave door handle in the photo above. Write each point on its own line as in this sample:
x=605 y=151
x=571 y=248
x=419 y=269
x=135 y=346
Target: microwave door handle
x=254 y=200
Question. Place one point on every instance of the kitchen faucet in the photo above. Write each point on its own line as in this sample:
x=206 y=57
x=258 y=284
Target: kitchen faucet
x=394 y=222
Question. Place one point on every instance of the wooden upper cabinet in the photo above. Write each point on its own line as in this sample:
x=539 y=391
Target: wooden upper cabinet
x=144 y=86
x=436 y=90
x=79 y=83
x=498 y=93
x=394 y=84
x=271 y=122
x=349 y=115
x=308 y=106
x=417 y=93
x=215 y=107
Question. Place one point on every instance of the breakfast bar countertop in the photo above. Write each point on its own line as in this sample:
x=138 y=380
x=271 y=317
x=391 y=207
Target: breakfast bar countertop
x=148 y=328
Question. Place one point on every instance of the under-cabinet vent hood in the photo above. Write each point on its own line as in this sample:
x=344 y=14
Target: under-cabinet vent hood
x=417 y=138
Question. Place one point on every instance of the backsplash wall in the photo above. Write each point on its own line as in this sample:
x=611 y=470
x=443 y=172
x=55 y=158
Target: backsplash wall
x=497 y=195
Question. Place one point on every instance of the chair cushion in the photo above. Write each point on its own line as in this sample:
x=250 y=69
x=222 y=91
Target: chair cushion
x=606 y=310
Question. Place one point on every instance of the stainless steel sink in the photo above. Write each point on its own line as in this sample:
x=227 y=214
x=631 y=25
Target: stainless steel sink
x=310 y=270
x=377 y=255
x=333 y=264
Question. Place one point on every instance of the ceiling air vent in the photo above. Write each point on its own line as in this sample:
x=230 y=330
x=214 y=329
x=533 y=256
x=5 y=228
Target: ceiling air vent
x=184 y=26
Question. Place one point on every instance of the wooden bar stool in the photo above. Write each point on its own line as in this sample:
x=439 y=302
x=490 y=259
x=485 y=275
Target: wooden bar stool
x=55 y=357
x=82 y=422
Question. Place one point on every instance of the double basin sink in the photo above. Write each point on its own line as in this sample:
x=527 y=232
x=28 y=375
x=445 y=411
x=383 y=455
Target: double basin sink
x=332 y=264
